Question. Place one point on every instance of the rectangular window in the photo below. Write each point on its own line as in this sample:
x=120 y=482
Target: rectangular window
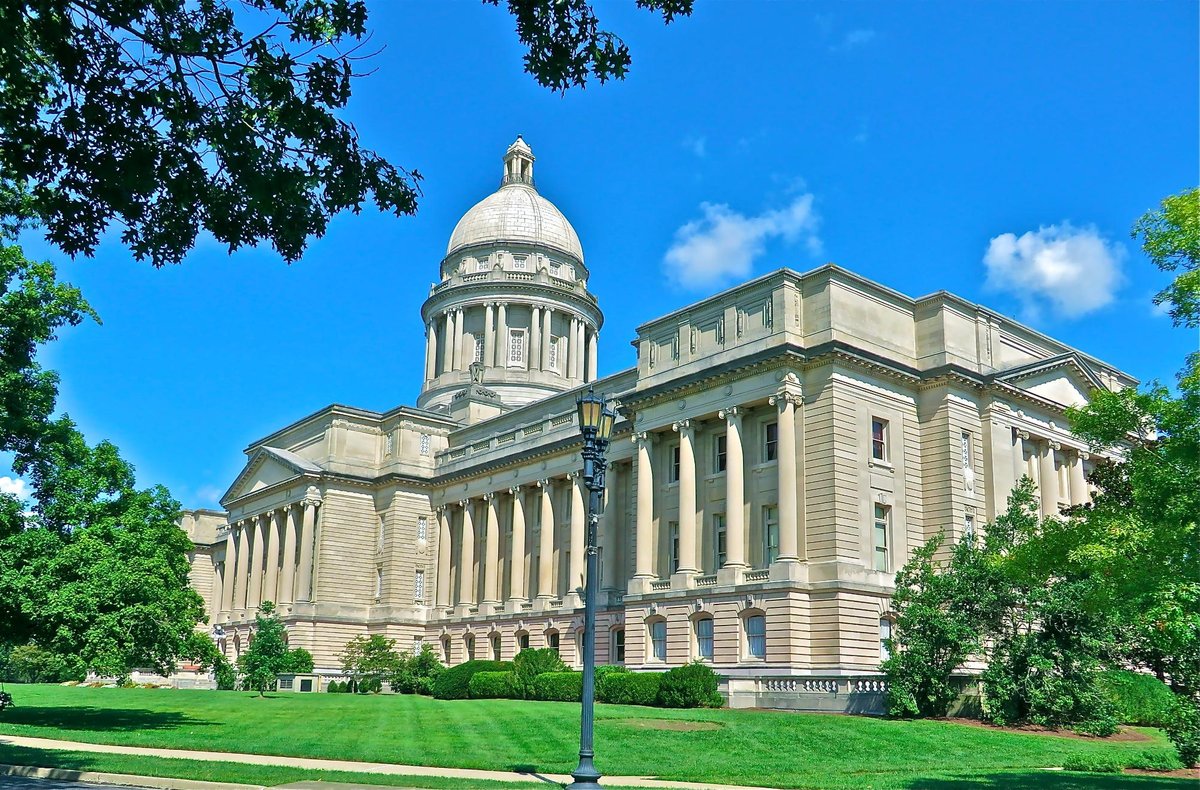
x=658 y=639
x=479 y=349
x=618 y=645
x=966 y=450
x=770 y=534
x=704 y=638
x=519 y=263
x=720 y=548
x=422 y=528
x=771 y=441
x=885 y=633
x=424 y=444
x=419 y=586
x=673 y=470
x=378 y=583
x=516 y=348
x=481 y=265
x=969 y=526
x=552 y=353
x=756 y=636
x=523 y=641
x=673 y=534
x=555 y=269
x=879 y=439
x=883 y=519
x=720 y=449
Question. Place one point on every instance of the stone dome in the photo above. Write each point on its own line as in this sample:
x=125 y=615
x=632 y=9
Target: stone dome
x=516 y=213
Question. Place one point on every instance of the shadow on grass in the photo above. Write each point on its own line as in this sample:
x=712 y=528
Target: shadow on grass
x=20 y=755
x=98 y=719
x=532 y=772
x=1054 y=780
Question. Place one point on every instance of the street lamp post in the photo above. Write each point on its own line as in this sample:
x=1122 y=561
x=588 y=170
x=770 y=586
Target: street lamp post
x=596 y=418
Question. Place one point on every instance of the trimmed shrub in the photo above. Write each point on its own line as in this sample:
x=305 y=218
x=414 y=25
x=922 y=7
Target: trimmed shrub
x=1139 y=699
x=629 y=688
x=558 y=686
x=530 y=663
x=608 y=669
x=690 y=686
x=455 y=683
x=1155 y=760
x=494 y=685
x=369 y=686
x=333 y=688
x=1093 y=764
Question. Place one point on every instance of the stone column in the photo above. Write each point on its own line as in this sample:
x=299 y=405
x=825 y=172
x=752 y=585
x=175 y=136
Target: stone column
x=445 y=550
x=735 y=490
x=229 y=578
x=1019 y=469
x=579 y=345
x=1048 y=478
x=448 y=342
x=456 y=362
x=687 y=497
x=271 y=574
x=593 y=342
x=431 y=350
x=535 y=338
x=572 y=348
x=491 y=554
x=545 y=576
x=1079 y=491
x=502 y=335
x=547 y=317
x=516 y=551
x=789 y=549
x=608 y=534
x=287 y=581
x=489 y=335
x=466 y=557
x=578 y=536
x=644 y=522
x=241 y=573
x=254 y=591
x=304 y=586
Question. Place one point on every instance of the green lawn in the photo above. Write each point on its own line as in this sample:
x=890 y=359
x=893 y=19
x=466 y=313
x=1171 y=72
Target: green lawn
x=741 y=747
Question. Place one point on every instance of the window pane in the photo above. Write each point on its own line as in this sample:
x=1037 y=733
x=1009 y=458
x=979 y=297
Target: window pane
x=704 y=637
x=770 y=441
x=756 y=636
x=658 y=633
x=719 y=453
x=879 y=439
x=619 y=645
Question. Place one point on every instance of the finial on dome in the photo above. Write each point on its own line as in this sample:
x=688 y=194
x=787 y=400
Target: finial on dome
x=518 y=164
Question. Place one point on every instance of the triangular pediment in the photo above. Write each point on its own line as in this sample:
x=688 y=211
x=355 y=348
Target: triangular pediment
x=266 y=467
x=1065 y=379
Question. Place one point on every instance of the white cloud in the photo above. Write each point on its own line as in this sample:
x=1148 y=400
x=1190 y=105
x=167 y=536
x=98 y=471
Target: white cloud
x=15 y=486
x=209 y=495
x=698 y=145
x=853 y=39
x=722 y=245
x=1072 y=270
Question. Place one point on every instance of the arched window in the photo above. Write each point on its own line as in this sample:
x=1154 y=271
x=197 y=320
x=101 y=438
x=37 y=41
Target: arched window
x=552 y=640
x=703 y=628
x=446 y=649
x=616 y=646
x=469 y=641
x=657 y=628
x=495 y=638
x=885 y=633
x=755 y=625
x=522 y=640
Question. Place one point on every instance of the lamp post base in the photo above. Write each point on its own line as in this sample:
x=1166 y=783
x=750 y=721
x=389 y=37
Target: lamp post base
x=586 y=776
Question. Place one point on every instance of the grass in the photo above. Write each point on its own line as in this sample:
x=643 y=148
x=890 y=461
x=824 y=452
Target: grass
x=747 y=747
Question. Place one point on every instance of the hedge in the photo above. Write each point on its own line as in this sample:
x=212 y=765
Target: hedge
x=558 y=686
x=690 y=686
x=629 y=688
x=455 y=683
x=494 y=685
x=1139 y=699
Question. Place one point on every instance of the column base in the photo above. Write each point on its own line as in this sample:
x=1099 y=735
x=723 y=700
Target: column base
x=489 y=607
x=683 y=580
x=730 y=575
x=789 y=569
x=463 y=609
x=573 y=600
x=514 y=605
x=542 y=603
x=639 y=585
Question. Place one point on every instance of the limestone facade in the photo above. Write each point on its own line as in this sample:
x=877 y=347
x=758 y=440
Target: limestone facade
x=782 y=448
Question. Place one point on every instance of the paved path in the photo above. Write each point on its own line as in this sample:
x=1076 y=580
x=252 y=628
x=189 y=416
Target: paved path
x=466 y=774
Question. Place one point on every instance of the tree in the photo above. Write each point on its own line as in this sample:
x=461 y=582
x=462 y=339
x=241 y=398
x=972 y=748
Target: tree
x=172 y=117
x=268 y=655
x=417 y=671
x=368 y=659
x=1171 y=240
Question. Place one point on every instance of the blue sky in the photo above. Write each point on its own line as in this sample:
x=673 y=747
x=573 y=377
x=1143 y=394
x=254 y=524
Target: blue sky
x=997 y=150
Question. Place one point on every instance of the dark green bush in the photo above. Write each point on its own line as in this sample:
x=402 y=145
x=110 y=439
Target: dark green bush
x=1155 y=760
x=31 y=664
x=455 y=682
x=225 y=674
x=608 y=669
x=530 y=663
x=369 y=686
x=333 y=688
x=629 y=688
x=1183 y=728
x=690 y=686
x=558 y=686
x=416 y=673
x=1139 y=699
x=1094 y=764
x=494 y=685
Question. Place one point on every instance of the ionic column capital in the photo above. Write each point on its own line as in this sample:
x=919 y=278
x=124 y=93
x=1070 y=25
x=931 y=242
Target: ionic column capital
x=640 y=438
x=489 y=497
x=784 y=397
x=681 y=426
x=312 y=497
x=1022 y=435
x=514 y=490
x=464 y=503
x=1053 y=445
x=731 y=414
x=545 y=483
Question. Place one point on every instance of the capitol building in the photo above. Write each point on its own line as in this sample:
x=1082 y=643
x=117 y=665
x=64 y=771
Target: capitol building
x=782 y=448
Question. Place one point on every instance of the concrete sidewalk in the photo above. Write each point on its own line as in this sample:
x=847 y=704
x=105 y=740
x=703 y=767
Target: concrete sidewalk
x=384 y=769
